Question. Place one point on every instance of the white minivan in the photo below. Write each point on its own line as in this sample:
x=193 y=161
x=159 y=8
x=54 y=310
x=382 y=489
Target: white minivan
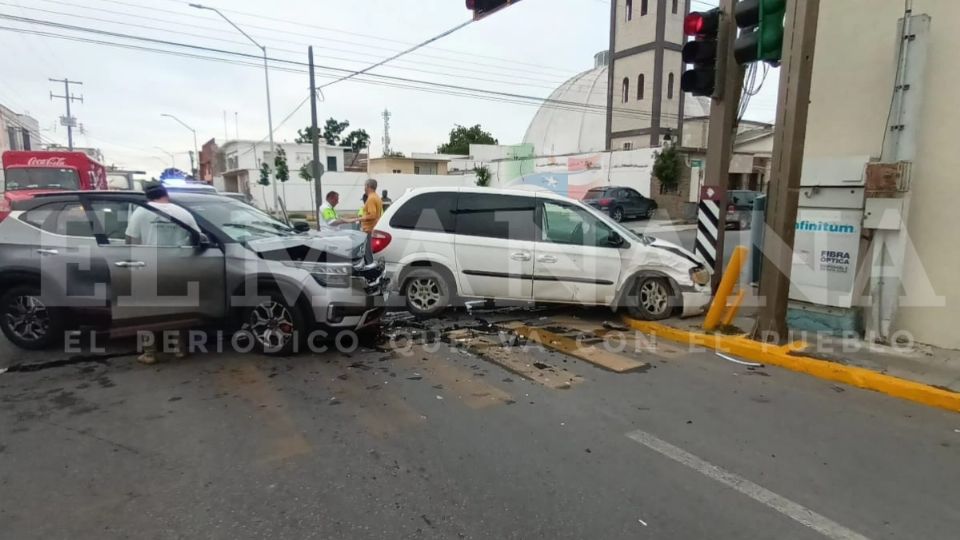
x=441 y=245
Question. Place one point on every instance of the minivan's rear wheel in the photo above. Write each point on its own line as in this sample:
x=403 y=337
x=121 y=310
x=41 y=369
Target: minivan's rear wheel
x=654 y=299
x=276 y=326
x=617 y=214
x=427 y=292
x=27 y=321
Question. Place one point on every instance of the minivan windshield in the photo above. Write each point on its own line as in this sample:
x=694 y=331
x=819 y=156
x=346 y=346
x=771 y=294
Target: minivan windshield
x=19 y=178
x=623 y=231
x=238 y=220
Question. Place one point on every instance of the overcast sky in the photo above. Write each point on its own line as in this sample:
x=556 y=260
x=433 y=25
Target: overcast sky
x=529 y=49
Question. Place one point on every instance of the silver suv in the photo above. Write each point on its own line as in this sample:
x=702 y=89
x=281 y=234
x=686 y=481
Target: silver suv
x=66 y=263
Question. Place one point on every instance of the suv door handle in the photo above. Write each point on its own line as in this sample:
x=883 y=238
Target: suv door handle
x=520 y=256
x=48 y=252
x=130 y=264
x=547 y=259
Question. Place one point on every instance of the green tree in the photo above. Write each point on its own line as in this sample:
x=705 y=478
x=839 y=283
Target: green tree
x=281 y=169
x=462 y=137
x=483 y=175
x=306 y=176
x=358 y=140
x=332 y=130
x=307 y=135
x=667 y=166
x=264 y=174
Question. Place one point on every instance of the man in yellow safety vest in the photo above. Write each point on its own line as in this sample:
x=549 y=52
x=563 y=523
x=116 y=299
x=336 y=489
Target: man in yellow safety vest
x=328 y=212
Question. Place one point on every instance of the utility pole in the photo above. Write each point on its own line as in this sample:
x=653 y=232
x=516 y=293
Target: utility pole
x=69 y=121
x=723 y=122
x=800 y=34
x=314 y=134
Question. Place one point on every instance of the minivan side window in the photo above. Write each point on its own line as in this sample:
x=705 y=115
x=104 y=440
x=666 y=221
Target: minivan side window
x=565 y=224
x=432 y=212
x=509 y=217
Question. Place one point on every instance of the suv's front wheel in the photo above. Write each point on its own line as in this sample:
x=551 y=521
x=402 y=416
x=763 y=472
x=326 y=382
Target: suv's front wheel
x=276 y=326
x=427 y=292
x=27 y=321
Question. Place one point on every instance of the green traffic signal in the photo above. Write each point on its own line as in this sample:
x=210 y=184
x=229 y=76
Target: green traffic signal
x=770 y=44
x=761 y=30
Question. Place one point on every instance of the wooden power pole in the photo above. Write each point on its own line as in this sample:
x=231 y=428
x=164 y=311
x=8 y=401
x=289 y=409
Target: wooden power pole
x=723 y=122
x=799 y=39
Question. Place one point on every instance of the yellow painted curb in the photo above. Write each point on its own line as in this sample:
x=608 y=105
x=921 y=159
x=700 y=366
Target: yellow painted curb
x=785 y=356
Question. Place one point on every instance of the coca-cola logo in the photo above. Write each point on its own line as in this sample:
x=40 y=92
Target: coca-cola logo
x=47 y=162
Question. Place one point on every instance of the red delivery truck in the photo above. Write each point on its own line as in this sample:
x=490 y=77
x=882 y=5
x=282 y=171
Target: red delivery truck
x=26 y=173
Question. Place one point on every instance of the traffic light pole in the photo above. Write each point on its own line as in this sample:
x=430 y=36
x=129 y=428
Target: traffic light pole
x=723 y=120
x=800 y=31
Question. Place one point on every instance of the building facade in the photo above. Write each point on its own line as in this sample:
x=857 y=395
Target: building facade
x=855 y=66
x=407 y=165
x=18 y=131
x=644 y=101
x=242 y=160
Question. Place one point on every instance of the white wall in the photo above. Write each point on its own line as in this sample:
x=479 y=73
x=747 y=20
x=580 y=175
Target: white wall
x=848 y=110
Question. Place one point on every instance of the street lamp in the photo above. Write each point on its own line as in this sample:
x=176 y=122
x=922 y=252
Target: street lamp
x=173 y=159
x=195 y=152
x=266 y=77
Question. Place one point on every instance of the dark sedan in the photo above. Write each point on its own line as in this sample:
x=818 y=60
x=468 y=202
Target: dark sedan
x=620 y=202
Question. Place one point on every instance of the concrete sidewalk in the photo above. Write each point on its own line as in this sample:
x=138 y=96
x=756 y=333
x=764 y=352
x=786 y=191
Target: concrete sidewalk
x=916 y=362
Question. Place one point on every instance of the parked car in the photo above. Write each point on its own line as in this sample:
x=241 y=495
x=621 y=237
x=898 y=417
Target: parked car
x=740 y=208
x=620 y=202
x=443 y=244
x=65 y=262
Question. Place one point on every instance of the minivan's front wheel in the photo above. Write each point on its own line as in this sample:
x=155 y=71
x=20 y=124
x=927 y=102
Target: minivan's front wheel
x=276 y=326
x=654 y=299
x=427 y=292
x=27 y=321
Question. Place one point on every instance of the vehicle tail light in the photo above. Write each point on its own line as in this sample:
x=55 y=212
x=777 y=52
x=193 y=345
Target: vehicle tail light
x=5 y=208
x=731 y=209
x=379 y=241
x=606 y=201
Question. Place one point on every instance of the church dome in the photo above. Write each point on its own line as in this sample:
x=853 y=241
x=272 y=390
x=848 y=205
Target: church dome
x=573 y=120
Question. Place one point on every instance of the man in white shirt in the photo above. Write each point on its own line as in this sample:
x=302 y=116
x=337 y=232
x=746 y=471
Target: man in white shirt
x=148 y=228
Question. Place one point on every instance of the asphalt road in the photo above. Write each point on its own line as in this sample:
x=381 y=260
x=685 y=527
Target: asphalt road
x=447 y=445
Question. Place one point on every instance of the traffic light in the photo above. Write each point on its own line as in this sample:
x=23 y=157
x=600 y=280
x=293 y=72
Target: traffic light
x=701 y=52
x=761 y=31
x=482 y=8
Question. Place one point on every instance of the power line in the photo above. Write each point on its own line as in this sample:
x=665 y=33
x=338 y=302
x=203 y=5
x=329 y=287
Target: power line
x=399 y=54
x=514 y=82
x=528 y=66
x=382 y=78
x=515 y=79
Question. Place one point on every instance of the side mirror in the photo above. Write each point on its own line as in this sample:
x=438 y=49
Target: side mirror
x=615 y=239
x=203 y=242
x=301 y=226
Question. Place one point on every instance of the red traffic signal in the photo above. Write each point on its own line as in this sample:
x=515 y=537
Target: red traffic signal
x=701 y=52
x=700 y=23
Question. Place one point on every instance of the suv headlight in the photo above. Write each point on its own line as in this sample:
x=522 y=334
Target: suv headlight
x=700 y=275
x=328 y=275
